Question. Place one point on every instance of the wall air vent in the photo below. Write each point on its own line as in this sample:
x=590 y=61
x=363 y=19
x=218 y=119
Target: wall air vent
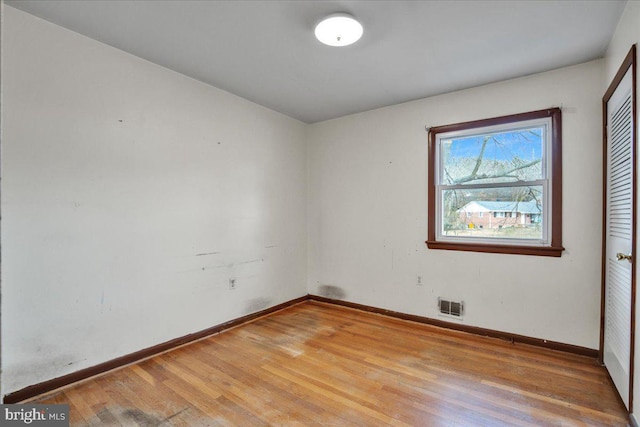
x=451 y=308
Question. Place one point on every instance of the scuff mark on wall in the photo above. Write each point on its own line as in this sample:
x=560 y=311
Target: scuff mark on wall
x=330 y=291
x=257 y=304
x=59 y=364
x=231 y=264
x=208 y=253
x=251 y=261
x=271 y=246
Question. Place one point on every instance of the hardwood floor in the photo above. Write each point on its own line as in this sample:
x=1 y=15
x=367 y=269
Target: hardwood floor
x=317 y=364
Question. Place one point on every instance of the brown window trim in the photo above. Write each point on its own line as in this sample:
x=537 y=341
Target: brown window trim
x=555 y=248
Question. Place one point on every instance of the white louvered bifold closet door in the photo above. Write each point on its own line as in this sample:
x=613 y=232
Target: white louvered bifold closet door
x=619 y=231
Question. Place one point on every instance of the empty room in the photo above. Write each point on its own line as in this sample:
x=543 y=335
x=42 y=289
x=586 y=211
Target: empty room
x=319 y=213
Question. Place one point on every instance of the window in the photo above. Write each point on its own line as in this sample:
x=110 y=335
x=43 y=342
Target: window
x=509 y=166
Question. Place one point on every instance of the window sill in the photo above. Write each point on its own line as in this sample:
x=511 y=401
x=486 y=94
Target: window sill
x=552 y=251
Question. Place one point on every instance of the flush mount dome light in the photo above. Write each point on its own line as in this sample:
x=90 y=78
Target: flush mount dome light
x=339 y=29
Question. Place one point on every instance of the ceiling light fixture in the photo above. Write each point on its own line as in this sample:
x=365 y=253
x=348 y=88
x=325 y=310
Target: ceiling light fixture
x=339 y=29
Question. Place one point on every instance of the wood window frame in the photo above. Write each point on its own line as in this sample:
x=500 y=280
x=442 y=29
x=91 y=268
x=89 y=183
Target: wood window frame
x=555 y=248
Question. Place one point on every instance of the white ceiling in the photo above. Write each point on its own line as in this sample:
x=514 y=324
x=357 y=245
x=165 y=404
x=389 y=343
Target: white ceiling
x=265 y=51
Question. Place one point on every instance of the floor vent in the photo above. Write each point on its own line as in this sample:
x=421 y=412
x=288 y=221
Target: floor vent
x=451 y=308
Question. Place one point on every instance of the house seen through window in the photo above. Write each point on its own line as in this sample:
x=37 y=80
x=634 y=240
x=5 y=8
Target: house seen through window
x=495 y=185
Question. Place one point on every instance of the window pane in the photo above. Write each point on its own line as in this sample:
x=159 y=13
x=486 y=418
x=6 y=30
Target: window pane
x=510 y=156
x=510 y=213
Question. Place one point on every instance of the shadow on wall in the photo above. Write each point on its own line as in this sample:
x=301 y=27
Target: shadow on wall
x=330 y=291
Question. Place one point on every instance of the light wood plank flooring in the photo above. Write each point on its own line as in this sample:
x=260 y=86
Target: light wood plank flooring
x=317 y=364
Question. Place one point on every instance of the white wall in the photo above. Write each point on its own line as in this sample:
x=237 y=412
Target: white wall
x=627 y=33
x=116 y=175
x=368 y=213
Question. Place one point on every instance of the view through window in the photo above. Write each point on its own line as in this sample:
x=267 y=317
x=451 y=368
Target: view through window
x=493 y=183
